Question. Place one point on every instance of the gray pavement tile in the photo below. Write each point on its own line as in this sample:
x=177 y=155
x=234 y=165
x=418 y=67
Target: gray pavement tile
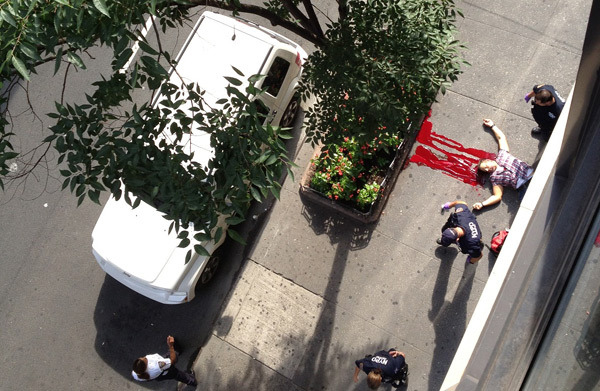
x=223 y=367
x=504 y=66
x=568 y=24
x=341 y=338
x=274 y=321
x=528 y=18
x=556 y=22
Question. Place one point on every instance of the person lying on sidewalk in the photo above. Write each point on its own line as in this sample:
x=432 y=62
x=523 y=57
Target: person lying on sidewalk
x=462 y=228
x=387 y=366
x=505 y=171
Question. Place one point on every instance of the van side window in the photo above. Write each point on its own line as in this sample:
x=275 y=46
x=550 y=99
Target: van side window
x=276 y=76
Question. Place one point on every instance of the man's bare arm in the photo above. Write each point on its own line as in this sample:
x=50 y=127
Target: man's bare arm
x=500 y=137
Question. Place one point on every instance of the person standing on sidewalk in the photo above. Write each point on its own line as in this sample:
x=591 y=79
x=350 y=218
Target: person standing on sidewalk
x=385 y=366
x=546 y=107
x=462 y=228
x=505 y=170
x=157 y=367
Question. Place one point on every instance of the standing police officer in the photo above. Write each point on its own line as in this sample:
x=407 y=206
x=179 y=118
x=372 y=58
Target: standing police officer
x=462 y=229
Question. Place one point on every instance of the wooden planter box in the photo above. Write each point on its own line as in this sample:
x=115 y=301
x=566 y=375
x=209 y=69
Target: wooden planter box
x=373 y=214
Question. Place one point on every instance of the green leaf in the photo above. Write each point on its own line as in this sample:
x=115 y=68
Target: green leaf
x=30 y=51
x=235 y=236
x=94 y=196
x=255 y=194
x=136 y=203
x=101 y=6
x=20 y=67
x=153 y=67
x=201 y=236
x=184 y=243
x=201 y=250
x=272 y=159
x=233 y=81
x=147 y=48
x=218 y=234
x=58 y=60
x=275 y=191
x=234 y=220
x=75 y=59
x=8 y=18
x=237 y=71
x=123 y=58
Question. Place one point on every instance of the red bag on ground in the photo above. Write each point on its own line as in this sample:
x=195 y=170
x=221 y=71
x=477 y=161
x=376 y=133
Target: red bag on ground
x=498 y=240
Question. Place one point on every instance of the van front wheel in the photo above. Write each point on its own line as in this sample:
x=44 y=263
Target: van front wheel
x=290 y=113
x=210 y=270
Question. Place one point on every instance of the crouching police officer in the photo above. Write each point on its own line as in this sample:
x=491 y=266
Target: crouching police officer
x=462 y=229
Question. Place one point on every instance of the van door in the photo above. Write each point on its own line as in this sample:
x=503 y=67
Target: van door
x=280 y=73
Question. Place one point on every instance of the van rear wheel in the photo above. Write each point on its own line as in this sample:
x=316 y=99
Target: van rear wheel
x=290 y=113
x=212 y=265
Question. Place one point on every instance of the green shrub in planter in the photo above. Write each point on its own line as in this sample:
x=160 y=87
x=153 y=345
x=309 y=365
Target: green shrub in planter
x=382 y=63
x=351 y=172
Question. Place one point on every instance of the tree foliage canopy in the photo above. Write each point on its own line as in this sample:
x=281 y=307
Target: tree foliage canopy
x=381 y=61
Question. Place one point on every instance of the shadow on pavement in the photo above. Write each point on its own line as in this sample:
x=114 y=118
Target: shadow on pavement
x=130 y=325
x=449 y=318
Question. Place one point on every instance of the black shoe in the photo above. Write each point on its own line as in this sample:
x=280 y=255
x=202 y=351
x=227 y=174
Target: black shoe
x=536 y=130
x=195 y=383
x=438 y=241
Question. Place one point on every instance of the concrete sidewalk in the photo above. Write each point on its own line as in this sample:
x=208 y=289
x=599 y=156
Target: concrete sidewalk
x=319 y=291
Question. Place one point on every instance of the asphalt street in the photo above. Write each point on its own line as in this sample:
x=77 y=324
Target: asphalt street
x=65 y=324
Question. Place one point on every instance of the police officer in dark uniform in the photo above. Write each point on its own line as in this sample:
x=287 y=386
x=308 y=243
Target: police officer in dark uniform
x=462 y=229
x=546 y=107
x=385 y=366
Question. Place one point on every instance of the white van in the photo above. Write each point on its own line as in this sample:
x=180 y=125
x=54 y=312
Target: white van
x=133 y=245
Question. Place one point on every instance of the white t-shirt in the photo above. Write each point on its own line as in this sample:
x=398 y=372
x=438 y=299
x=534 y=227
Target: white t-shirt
x=154 y=368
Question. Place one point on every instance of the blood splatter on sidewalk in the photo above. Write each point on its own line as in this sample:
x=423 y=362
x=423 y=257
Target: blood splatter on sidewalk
x=446 y=155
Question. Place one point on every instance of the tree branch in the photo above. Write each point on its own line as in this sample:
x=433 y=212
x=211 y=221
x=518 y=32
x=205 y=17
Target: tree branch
x=300 y=30
x=314 y=21
x=342 y=9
